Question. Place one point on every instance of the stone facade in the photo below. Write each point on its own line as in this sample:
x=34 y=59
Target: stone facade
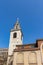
x=19 y=54
x=26 y=55
x=3 y=56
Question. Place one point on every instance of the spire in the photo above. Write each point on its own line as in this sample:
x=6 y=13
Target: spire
x=17 y=25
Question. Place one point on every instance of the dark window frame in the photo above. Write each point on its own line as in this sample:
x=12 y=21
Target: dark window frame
x=15 y=35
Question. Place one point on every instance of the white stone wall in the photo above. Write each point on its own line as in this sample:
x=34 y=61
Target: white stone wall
x=41 y=48
x=14 y=41
x=36 y=55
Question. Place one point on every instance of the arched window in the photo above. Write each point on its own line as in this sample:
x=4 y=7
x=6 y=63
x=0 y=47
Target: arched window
x=14 y=35
x=32 y=57
x=20 y=58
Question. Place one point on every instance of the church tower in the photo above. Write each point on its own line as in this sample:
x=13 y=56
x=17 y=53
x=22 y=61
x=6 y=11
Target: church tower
x=15 y=37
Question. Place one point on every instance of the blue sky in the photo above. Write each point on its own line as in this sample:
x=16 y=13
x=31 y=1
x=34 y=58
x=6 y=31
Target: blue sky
x=30 y=14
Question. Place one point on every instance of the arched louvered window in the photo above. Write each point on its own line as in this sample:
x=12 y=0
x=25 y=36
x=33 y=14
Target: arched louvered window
x=14 y=35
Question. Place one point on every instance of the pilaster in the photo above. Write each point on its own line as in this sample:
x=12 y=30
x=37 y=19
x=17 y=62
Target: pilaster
x=26 y=58
x=38 y=58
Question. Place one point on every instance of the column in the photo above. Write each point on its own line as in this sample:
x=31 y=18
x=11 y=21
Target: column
x=39 y=62
x=26 y=58
x=14 y=58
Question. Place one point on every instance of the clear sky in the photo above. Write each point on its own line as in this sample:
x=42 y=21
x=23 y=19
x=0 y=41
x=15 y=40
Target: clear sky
x=30 y=14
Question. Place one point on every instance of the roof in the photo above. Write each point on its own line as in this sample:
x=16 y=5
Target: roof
x=26 y=44
x=3 y=49
x=16 y=26
x=28 y=49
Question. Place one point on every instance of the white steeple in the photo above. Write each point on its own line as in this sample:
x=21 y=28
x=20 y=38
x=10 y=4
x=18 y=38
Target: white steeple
x=17 y=25
x=15 y=37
